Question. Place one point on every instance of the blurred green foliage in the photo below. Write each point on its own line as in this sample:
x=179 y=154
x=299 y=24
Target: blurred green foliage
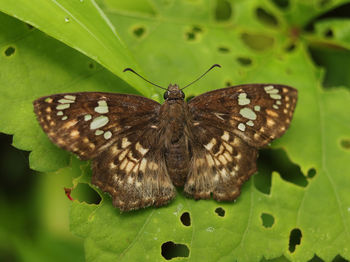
x=301 y=213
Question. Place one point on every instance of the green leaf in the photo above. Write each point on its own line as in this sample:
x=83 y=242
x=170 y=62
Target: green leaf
x=176 y=41
x=81 y=25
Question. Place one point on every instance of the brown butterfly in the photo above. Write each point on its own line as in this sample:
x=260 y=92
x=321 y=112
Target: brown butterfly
x=141 y=150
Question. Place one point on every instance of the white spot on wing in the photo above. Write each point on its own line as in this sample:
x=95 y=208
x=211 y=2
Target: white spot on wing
x=275 y=96
x=248 y=113
x=267 y=88
x=125 y=142
x=241 y=127
x=87 y=117
x=99 y=132
x=140 y=148
x=225 y=136
x=63 y=106
x=99 y=122
x=65 y=101
x=210 y=145
x=102 y=107
x=243 y=100
x=250 y=123
x=70 y=97
x=107 y=135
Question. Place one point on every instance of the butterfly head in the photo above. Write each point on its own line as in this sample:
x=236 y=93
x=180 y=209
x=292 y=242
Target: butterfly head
x=174 y=93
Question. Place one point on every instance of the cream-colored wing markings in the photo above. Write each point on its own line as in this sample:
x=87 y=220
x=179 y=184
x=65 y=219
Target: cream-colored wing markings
x=221 y=162
x=257 y=113
x=134 y=172
x=87 y=123
x=228 y=127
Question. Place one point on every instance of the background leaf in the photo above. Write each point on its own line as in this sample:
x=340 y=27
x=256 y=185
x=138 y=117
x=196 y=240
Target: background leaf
x=297 y=215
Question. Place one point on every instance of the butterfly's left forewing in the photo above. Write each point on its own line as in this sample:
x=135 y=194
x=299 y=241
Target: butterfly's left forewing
x=87 y=123
x=117 y=132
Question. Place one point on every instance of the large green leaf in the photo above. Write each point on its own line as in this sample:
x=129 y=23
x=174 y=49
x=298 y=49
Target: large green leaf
x=176 y=41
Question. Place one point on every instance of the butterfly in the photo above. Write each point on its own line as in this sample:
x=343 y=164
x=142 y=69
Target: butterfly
x=142 y=150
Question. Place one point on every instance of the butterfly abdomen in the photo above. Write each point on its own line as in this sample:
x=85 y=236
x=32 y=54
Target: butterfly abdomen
x=177 y=155
x=177 y=160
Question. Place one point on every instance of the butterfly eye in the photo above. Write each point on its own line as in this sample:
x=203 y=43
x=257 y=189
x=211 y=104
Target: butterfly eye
x=166 y=95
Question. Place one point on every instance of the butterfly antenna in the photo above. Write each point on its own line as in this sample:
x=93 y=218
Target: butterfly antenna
x=131 y=70
x=216 y=65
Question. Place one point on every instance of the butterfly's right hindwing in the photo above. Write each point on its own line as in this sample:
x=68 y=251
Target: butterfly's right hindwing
x=228 y=126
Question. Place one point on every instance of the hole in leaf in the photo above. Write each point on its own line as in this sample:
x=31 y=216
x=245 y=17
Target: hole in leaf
x=330 y=59
x=282 y=4
x=329 y=33
x=190 y=36
x=315 y=259
x=223 y=10
x=10 y=51
x=139 y=31
x=220 y=211
x=186 y=219
x=223 y=49
x=244 y=61
x=294 y=239
x=171 y=250
x=339 y=258
x=290 y=47
x=342 y=11
x=30 y=27
x=257 y=42
x=91 y=65
x=83 y=192
x=194 y=33
x=345 y=143
x=277 y=160
x=311 y=173
x=267 y=220
x=197 y=29
x=265 y=17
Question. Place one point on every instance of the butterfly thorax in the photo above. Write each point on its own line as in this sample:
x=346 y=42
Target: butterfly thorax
x=173 y=116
